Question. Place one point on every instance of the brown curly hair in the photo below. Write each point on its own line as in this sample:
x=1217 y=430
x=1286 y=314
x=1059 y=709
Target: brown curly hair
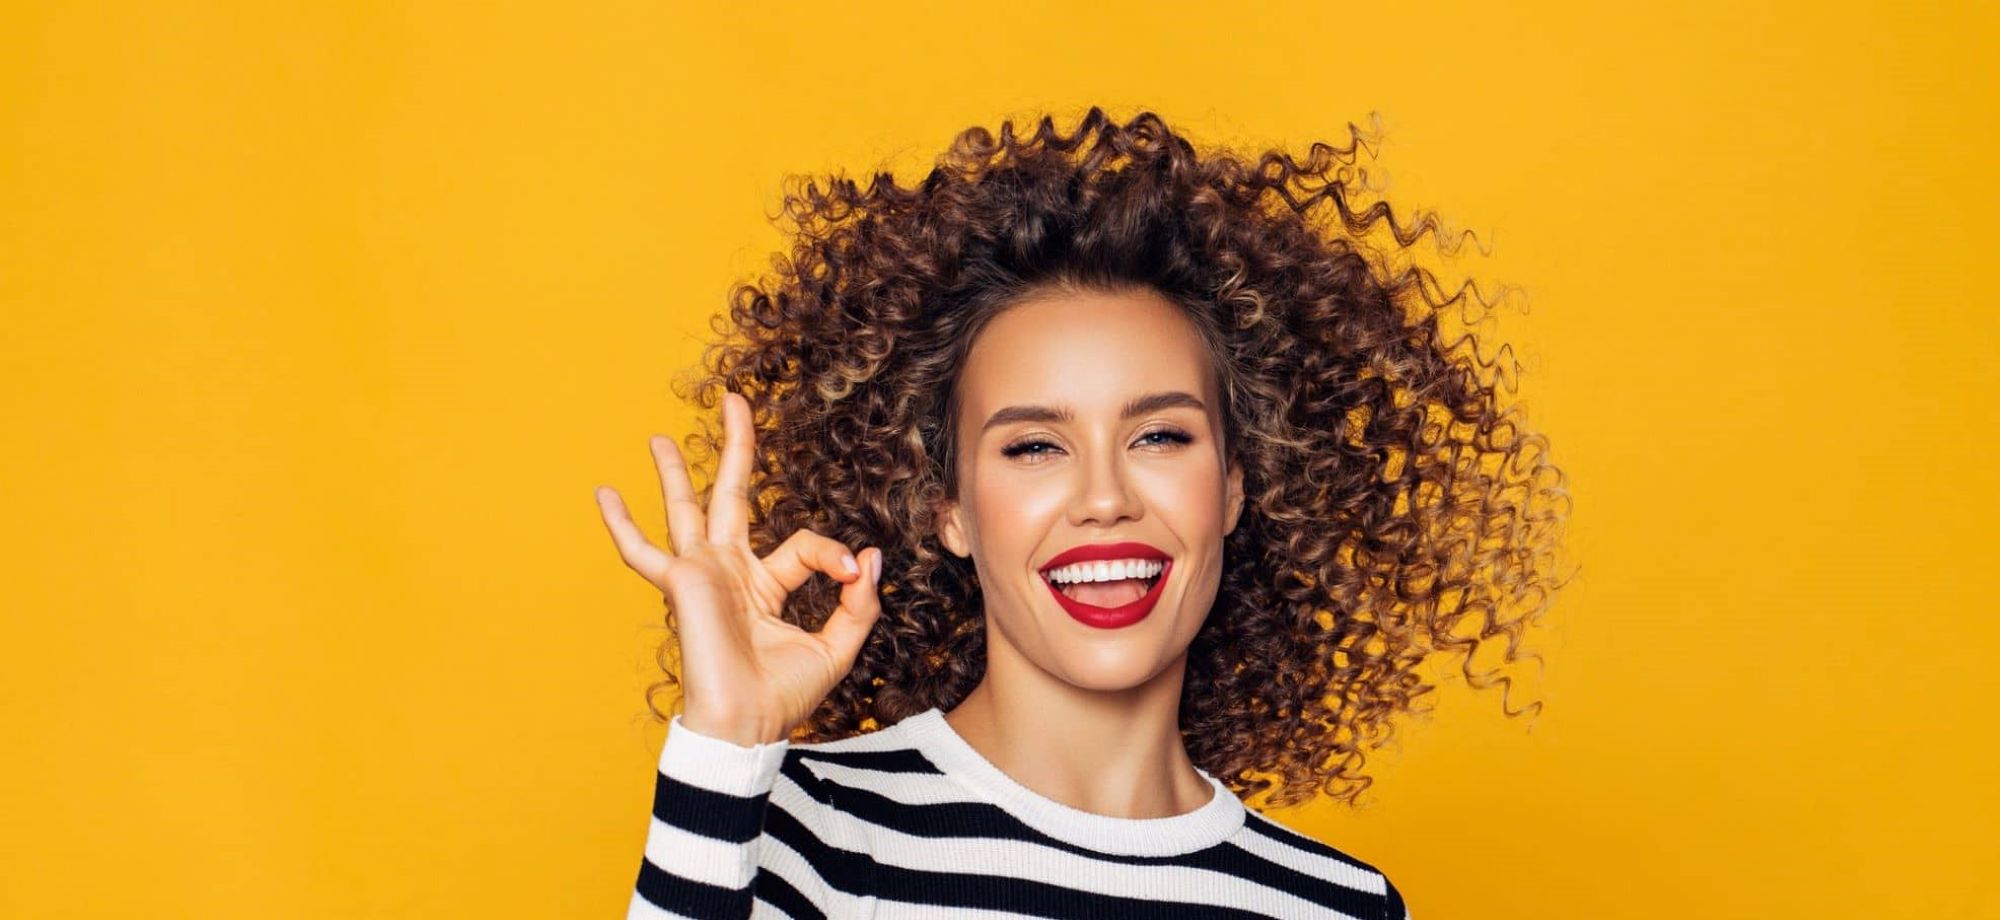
x=1394 y=508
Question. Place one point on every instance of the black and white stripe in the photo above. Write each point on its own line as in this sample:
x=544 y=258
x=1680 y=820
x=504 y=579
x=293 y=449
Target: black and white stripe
x=875 y=826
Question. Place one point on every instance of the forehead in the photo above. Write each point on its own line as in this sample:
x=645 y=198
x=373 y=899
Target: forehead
x=1090 y=350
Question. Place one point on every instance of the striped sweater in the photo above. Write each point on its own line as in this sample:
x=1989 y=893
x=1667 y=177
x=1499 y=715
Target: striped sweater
x=910 y=821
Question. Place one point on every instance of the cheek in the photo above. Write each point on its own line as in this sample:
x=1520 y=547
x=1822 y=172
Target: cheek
x=1188 y=497
x=1014 y=513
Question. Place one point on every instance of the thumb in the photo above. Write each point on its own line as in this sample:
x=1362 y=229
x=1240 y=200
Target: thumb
x=847 y=628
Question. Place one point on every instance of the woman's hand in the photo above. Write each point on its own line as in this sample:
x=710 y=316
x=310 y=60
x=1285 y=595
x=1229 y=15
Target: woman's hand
x=748 y=676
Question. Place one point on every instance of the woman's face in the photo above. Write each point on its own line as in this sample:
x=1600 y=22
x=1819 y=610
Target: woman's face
x=1052 y=456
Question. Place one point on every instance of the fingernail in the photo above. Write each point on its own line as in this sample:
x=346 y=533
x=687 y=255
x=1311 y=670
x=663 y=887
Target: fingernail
x=875 y=567
x=847 y=562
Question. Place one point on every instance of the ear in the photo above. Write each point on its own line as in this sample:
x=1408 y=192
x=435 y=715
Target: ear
x=951 y=527
x=1234 y=498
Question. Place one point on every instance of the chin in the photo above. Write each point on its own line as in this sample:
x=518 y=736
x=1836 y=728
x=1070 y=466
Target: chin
x=1123 y=663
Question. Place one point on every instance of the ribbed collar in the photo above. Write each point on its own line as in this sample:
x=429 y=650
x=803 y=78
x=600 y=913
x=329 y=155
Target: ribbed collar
x=1185 y=833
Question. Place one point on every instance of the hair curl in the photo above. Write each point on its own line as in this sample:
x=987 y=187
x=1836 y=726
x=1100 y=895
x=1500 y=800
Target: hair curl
x=1394 y=508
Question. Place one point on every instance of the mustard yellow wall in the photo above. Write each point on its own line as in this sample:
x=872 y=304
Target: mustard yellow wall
x=322 y=320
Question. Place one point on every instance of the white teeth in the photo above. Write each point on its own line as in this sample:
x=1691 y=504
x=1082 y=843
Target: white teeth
x=1110 y=570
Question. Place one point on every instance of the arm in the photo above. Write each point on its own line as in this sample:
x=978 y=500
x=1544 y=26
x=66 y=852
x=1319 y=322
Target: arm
x=709 y=802
x=747 y=668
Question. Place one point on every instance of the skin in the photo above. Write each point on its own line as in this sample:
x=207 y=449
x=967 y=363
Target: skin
x=1084 y=716
x=748 y=675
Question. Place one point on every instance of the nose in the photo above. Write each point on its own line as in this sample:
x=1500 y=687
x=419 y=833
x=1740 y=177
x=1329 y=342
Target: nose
x=1104 y=493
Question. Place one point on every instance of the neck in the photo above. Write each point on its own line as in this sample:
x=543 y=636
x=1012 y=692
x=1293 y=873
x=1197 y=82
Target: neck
x=1116 y=753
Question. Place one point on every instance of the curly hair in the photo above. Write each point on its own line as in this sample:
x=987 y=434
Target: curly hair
x=1394 y=509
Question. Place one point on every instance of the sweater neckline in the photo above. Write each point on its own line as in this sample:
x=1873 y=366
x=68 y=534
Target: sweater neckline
x=1203 y=827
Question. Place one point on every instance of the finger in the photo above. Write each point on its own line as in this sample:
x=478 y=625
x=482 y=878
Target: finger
x=641 y=555
x=685 y=521
x=806 y=552
x=847 y=628
x=729 y=509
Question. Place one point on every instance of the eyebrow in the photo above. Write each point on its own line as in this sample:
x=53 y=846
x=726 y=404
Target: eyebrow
x=1151 y=402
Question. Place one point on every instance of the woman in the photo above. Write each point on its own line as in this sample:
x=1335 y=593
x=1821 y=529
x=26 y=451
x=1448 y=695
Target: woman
x=1130 y=481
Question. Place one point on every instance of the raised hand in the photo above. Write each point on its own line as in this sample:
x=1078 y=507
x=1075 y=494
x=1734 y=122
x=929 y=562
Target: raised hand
x=747 y=675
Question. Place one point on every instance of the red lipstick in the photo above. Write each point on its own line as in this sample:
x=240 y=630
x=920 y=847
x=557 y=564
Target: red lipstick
x=1109 y=617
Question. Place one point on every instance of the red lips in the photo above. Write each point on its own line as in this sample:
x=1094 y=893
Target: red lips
x=1109 y=617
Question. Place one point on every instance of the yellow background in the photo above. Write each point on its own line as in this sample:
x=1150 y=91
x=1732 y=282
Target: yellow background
x=322 y=320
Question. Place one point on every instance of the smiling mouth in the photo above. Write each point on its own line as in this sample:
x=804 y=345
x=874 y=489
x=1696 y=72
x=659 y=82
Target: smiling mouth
x=1107 y=593
x=1112 y=604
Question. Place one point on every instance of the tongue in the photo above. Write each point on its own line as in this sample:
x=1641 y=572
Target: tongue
x=1107 y=593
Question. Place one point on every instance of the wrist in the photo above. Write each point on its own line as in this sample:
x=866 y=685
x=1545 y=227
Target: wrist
x=740 y=732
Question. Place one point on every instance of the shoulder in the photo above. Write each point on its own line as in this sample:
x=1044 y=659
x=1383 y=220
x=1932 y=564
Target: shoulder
x=1298 y=847
x=1278 y=843
x=887 y=755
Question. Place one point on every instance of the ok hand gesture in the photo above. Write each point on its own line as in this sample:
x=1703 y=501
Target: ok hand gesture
x=748 y=676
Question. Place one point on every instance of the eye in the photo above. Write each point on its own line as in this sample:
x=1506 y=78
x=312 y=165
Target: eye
x=1028 y=446
x=1041 y=447
x=1166 y=436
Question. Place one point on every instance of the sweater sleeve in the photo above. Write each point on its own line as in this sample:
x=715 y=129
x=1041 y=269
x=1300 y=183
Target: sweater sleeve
x=710 y=799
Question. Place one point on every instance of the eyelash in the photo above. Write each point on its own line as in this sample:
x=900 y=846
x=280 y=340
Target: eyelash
x=1018 y=448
